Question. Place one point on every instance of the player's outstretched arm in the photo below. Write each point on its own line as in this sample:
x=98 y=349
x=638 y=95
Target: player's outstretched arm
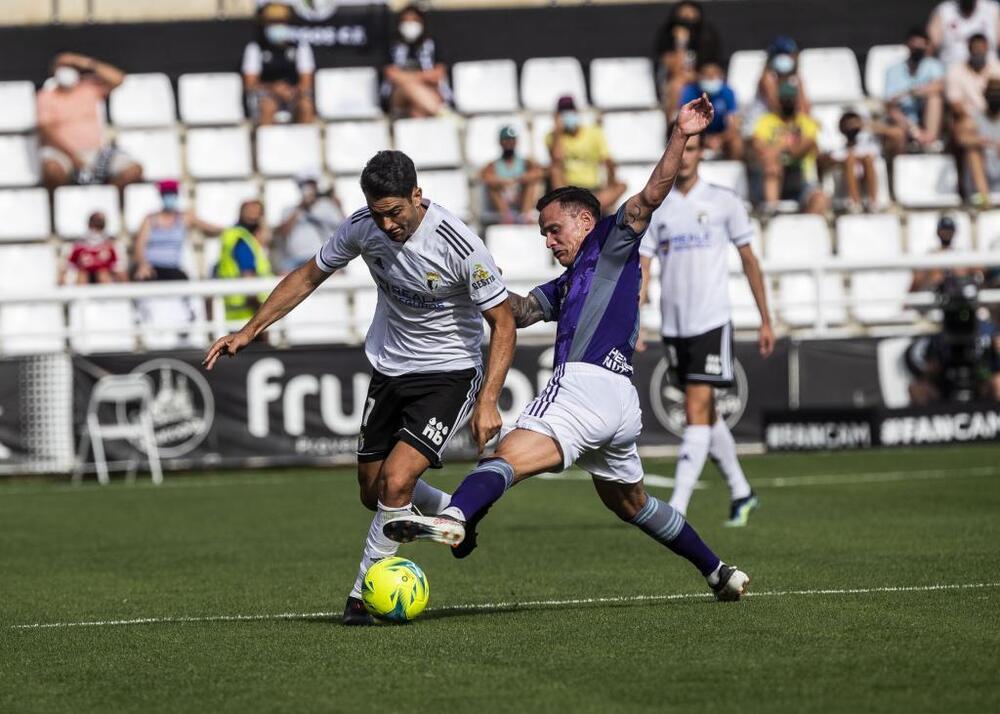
x=527 y=310
x=293 y=289
x=485 y=422
x=693 y=118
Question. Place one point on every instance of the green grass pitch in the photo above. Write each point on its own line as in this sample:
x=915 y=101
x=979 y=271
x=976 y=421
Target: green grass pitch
x=270 y=542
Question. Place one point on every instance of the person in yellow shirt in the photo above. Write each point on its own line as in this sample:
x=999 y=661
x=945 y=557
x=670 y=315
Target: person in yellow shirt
x=785 y=148
x=578 y=152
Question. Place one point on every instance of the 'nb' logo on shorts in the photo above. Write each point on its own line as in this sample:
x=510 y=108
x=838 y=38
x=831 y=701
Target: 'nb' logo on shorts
x=713 y=364
x=436 y=431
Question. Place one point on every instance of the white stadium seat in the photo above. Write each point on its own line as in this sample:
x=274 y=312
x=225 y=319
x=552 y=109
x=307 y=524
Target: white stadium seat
x=431 y=143
x=26 y=214
x=166 y=322
x=141 y=199
x=880 y=59
x=622 y=83
x=31 y=329
x=877 y=296
x=448 y=188
x=634 y=176
x=323 y=318
x=828 y=118
x=218 y=153
x=797 y=239
x=17 y=106
x=348 y=190
x=211 y=248
x=745 y=69
x=487 y=86
x=74 y=204
x=830 y=74
x=218 y=202
x=545 y=79
x=728 y=174
x=871 y=236
x=211 y=98
x=925 y=181
x=27 y=267
x=797 y=303
x=349 y=144
x=921 y=232
x=635 y=136
x=520 y=252
x=143 y=100
x=285 y=150
x=988 y=230
x=158 y=151
x=279 y=195
x=482 y=138
x=745 y=314
x=347 y=93
x=102 y=326
x=19 y=162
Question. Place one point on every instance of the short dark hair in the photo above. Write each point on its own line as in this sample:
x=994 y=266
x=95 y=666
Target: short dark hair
x=581 y=198
x=847 y=116
x=389 y=173
x=414 y=8
x=978 y=37
x=917 y=31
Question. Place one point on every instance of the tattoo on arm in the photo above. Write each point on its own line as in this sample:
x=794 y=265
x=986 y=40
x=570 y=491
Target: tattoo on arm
x=527 y=310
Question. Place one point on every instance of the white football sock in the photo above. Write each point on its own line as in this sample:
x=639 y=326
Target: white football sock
x=690 y=462
x=428 y=500
x=377 y=546
x=723 y=451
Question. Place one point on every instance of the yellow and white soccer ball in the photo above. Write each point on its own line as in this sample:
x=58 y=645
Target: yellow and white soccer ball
x=395 y=589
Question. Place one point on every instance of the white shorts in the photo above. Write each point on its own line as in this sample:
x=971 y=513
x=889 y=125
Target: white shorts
x=595 y=417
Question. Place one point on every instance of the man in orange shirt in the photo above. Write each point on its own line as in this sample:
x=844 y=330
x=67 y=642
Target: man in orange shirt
x=71 y=125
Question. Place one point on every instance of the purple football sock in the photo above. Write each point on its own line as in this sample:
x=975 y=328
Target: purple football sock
x=665 y=524
x=688 y=544
x=483 y=487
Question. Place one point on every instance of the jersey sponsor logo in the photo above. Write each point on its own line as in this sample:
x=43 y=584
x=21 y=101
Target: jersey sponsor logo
x=433 y=280
x=617 y=362
x=436 y=431
x=412 y=299
x=667 y=398
x=481 y=277
x=690 y=241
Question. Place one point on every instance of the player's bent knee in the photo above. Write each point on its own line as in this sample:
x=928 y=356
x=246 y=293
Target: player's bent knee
x=625 y=500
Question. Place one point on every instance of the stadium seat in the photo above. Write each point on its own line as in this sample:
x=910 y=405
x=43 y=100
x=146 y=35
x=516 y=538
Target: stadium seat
x=869 y=236
x=745 y=69
x=349 y=144
x=102 y=326
x=728 y=174
x=921 y=232
x=158 y=151
x=348 y=190
x=830 y=74
x=880 y=59
x=833 y=184
x=487 y=86
x=520 y=253
x=19 y=163
x=74 y=204
x=482 y=138
x=925 y=181
x=141 y=199
x=219 y=202
x=218 y=153
x=797 y=239
x=745 y=314
x=143 y=100
x=17 y=106
x=796 y=305
x=31 y=329
x=211 y=98
x=26 y=214
x=347 y=93
x=285 y=150
x=323 y=318
x=988 y=231
x=449 y=189
x=634 y=176
x=166 y=323
x=211 y=248
x=622 y=83
x=876 y=296
x=828 y=118
x=635 y=136
x=279 y=195
x=545 y=79
x=431 y=143
x=25 y=267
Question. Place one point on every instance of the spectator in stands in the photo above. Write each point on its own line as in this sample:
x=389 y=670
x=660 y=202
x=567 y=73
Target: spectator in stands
x=953 y=23
x=159 y=244
x=278 y=70
x=914 y=91
x=578 y=152
x=416 y=82
x=723 y=137
x=74 y=146
x=979 y=139
x=93 y=257
x=244 y=255
x=781 y=69
x=785 y=150
x=932 y=278
x=511 y=183
x=306 y=226
x=685 y=42
x=857 y=163
x=966 y=82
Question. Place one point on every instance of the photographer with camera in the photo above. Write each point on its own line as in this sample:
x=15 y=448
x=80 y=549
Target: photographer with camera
x=306 y=226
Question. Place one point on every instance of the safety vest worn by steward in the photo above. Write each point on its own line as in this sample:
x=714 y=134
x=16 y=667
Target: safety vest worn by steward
x=237 y=307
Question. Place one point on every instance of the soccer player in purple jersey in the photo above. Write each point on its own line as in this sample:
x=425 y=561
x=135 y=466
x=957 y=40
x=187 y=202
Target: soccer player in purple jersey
x=589 y=413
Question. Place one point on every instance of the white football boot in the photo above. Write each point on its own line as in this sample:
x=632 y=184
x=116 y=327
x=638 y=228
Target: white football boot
x=733 y=584
x=411 y=527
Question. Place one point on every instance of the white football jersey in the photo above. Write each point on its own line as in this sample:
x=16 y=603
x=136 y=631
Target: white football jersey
x=691 y=235
x=957 y=29
x=431 y=291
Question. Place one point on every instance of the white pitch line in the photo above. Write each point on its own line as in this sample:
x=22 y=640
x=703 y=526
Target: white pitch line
x=510 y=605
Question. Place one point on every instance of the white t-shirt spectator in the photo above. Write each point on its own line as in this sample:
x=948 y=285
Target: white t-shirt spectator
x=950 y=30
x=281 y=59
x=312 y=228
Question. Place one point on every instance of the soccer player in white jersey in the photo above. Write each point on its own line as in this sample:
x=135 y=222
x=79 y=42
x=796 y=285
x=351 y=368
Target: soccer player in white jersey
x=691 y=234
x=589 y=413
x=436 y=282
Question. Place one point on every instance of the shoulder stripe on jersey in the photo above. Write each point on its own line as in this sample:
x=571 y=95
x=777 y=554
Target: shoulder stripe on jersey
x=495 y=295
x=360 y=211
x=462 y=252
x=325 y=262
x=458 y=236
x=360 y=216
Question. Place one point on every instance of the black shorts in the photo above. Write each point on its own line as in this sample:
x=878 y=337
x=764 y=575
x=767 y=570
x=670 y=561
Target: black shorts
x=423 y=409
x=702 y=359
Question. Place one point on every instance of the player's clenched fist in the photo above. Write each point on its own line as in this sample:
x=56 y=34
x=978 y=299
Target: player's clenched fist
x=485 y=423
x=227 y=345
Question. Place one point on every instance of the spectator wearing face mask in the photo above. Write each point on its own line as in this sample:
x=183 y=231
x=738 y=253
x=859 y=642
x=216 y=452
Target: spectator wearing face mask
x=781 y=69
x=278 y=70
x=70 y=109
x=306 y=226
x=94 y=257
x=932 y=278
x=416 y=81
x=785 y=150
x=857 y=163
x=954 y=22
x=966 y=81
x=914 y=91
x=685 y=42
x=159 y=244
x=511 y=183
x=722 y=138
x=578 y=153
x=979 y=139
x=244 y=255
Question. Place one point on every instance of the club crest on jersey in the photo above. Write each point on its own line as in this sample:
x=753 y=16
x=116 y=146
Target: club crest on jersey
x=433 y=280
x=481 y=277
x=703 y=218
